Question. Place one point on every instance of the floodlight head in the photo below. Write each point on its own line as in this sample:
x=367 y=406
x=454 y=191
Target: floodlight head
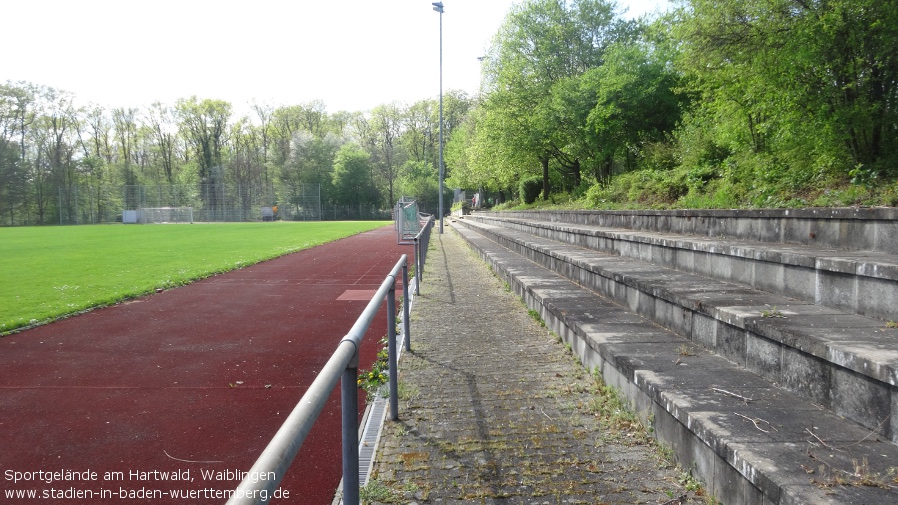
x=438 y=7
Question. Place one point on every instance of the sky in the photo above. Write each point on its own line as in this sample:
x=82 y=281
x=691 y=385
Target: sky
x=350 y=54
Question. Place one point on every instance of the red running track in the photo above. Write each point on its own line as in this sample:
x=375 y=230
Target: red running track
x=195 y=379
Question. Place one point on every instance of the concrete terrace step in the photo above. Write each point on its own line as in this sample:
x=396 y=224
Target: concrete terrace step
x=766 y=446
x=843 y=361
x=864 y=229
x=860 y=281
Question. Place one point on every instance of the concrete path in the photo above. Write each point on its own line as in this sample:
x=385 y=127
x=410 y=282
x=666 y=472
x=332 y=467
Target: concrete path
x=494 y=409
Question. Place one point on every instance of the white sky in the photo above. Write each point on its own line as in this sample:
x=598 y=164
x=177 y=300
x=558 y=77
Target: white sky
x=351 y=54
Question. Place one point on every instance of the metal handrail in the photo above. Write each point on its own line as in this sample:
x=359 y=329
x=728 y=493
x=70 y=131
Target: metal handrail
x=422 y=242
x=343 y=366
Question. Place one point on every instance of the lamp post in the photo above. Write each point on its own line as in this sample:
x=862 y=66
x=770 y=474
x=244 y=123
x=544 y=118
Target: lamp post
x=438 y=7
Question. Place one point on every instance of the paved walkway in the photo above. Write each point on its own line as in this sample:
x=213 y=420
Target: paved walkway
x=494 y=409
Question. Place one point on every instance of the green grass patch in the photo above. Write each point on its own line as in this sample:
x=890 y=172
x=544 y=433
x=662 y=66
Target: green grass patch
x=50 y=272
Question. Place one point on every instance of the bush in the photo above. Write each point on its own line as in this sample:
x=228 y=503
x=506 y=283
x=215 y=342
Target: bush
x=530 y=188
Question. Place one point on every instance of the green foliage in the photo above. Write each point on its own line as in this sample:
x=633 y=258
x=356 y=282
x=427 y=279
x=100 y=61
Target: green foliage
x=374 y=491
x=63 y=164
x=637 y=100
x=204 y=123
x=530 y=188
x=763 y=130
x=811 y=107
x=352 y=180
x=534 y=110
x=536 y=317
x=609 y=404
x=645 y=188
x=371 y=380
x=418 y=180
x=311 y=160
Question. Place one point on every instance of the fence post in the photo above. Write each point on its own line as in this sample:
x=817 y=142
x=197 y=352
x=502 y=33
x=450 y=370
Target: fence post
x=349 y=396
x=425 y=244
x=406 y=324
x=391 y=344
x=417 y=266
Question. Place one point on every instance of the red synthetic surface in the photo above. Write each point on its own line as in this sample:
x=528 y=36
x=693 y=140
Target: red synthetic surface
x=204 y=373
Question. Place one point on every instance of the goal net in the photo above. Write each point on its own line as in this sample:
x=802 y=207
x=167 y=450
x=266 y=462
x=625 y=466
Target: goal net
x=147 y=215
x=408 y=222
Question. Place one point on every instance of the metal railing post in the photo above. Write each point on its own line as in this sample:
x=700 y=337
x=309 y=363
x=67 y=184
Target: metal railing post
x=392 y=353
x=417 y=266
x=406 y=324
x=349 y=396
x=422 y=242
x=426 y=244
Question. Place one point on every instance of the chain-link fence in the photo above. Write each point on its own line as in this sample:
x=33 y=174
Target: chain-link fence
x=209 y=203
x=89 y=204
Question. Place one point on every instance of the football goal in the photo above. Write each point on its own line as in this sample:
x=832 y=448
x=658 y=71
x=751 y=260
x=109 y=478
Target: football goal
x=408 y=220
x=147 y=215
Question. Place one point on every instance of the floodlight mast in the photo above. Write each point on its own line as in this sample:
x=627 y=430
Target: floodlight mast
x=438 y=7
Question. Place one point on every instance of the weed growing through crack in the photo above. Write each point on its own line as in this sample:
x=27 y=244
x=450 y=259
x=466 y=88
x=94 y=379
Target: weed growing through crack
x=611 y=409
x=664 y=452
x=608 y=404
x=866 y=477
x=375 y=491
x=689 y=482
x=413 y=488
x=372 y=380
x=536 y=317
x=859 y=475
x=407 y=392
x=686 y=350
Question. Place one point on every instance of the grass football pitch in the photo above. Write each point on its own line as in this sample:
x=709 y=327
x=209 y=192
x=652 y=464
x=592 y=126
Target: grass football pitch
x=50 y=272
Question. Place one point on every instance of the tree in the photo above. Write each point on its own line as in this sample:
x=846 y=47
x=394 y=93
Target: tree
x=382 y=139
x=161 y=123
x=245 y=165
x=15 y=117
x=637 y=100
x=490 y=157
x=57 y=125
x=352 y=181
x=542 y=43
x=419 y=123
x=311 y=163
x=204 y=126
x=420 y=182
x=286 y=121
x=811 y=82
x=95 y=137
x=125 y=121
